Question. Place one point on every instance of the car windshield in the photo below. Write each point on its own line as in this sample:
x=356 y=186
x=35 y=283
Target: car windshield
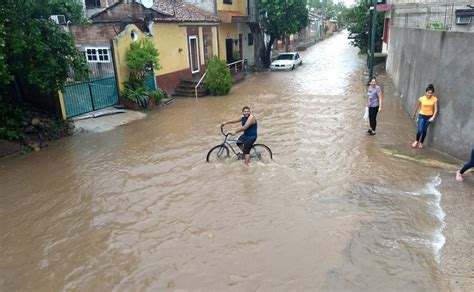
x=285 y=57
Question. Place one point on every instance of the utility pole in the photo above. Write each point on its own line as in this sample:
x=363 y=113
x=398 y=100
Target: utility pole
x=372 y=39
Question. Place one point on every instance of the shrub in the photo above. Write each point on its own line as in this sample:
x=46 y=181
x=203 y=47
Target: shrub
x=141 y=57
x=24 y=123
x=158 y=95
x=437 y=26
x=12 y=119
x=135 y=91
x=236 y=56
x=219 y=80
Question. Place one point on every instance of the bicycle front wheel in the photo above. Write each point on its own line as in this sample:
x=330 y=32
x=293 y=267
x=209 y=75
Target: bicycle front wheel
x=260 y=152
x=218 y=153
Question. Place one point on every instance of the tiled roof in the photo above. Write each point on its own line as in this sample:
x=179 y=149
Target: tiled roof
x=181 y=12
x=161 y=11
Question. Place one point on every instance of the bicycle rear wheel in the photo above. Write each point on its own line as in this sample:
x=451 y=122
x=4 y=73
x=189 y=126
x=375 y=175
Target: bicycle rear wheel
x=218 y=153
x=260 y=152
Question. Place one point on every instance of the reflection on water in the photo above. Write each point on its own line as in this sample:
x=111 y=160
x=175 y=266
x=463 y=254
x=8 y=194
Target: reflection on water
x=137 y=208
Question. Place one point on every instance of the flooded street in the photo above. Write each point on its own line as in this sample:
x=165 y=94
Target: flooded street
x=137 y=208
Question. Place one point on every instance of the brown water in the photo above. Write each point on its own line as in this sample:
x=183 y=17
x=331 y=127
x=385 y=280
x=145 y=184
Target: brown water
x=138 y=208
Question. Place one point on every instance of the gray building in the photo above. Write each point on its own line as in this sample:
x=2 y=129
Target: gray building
x=453 y=15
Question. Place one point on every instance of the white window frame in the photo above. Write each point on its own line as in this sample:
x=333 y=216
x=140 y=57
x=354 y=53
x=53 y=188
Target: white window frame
x=97 y=54
x=197 y=54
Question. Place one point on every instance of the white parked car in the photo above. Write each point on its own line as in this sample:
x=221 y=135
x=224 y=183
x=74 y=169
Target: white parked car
x=286 y=61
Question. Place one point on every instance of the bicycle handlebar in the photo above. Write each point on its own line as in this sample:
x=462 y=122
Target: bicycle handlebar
x=222 y=131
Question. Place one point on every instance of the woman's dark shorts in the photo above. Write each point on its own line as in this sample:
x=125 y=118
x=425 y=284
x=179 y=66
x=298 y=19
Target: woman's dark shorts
x=248 y=143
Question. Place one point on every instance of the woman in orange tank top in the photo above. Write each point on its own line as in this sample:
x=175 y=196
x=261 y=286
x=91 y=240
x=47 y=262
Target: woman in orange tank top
x=427 y=114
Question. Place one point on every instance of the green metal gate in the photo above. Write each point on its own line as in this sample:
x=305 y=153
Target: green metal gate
x=98 y=91
x=87 y=96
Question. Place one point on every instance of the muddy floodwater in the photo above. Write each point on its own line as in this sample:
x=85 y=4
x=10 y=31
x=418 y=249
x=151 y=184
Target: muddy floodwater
x=137 y=208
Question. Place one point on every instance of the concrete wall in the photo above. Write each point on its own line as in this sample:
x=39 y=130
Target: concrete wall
x=171 y=40
x=227 y=30
x=422 y=14
x=418 y=57
x=237 y=5
x=247 y=51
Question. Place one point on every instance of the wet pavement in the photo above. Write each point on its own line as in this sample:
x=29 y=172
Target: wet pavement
x=137 y=208
x=106 y=120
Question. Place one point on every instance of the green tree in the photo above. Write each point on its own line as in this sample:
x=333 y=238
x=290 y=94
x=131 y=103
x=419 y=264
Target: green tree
x=279 y=19
x=142 y=56
x=5 y=76
x=317 y=5
x=325 y=8
x=329 y=10
x=340 y=14
x=358 y=22
x=34 y=50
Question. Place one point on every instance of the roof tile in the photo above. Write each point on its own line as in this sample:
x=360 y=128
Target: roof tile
x=182 y=12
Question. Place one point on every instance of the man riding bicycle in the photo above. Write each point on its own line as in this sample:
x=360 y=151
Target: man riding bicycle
x=249 y=127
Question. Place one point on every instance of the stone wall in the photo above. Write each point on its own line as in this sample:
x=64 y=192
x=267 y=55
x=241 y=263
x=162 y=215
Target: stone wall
x=418 y=57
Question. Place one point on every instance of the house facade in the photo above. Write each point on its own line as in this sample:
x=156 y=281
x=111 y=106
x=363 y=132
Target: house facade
x=184 y=35
x=236 y=40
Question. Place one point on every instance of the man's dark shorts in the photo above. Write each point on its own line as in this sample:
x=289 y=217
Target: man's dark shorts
x=248 y=143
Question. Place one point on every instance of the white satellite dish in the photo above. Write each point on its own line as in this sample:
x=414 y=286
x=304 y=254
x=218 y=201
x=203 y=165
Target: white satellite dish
x=147 y=3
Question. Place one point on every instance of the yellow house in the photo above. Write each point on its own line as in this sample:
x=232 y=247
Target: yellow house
x=235 y=37
x=184 y=35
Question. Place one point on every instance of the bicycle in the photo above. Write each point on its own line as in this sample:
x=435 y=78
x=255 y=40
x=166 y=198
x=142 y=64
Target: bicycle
x=259 y=152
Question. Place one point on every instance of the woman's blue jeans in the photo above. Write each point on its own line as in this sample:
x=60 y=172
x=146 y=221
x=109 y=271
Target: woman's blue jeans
x=469 y=164
x=422 y=129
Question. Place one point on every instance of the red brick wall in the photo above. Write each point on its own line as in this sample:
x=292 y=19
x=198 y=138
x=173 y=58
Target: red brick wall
x=99 y=33
x=168 y=82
